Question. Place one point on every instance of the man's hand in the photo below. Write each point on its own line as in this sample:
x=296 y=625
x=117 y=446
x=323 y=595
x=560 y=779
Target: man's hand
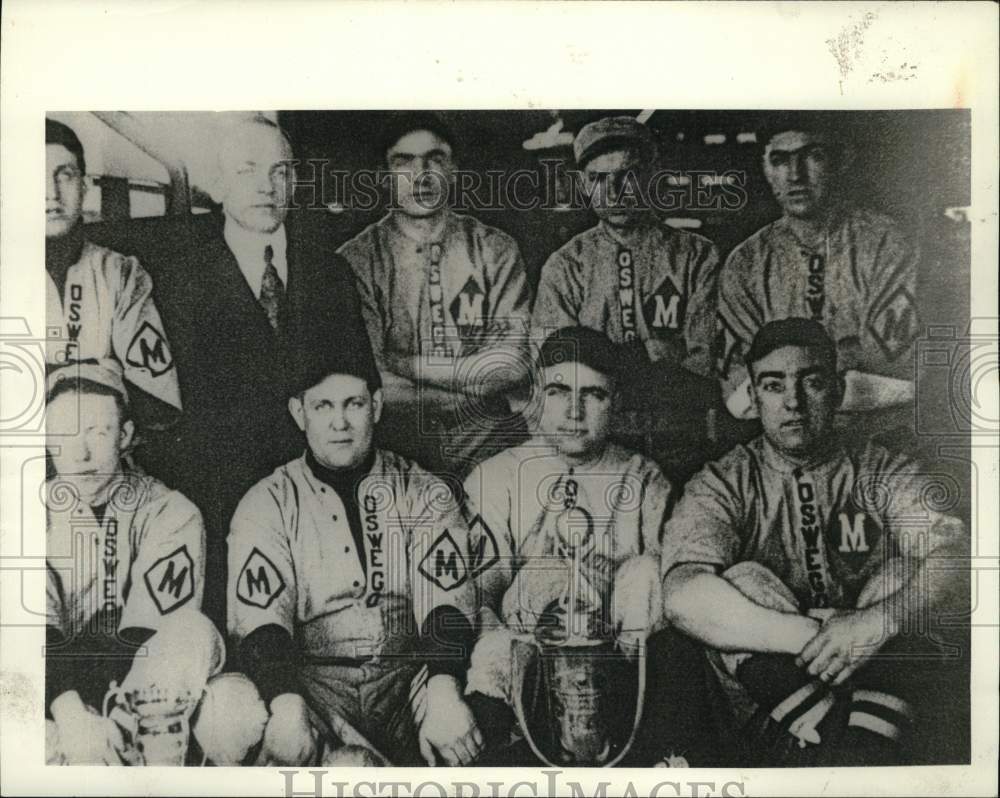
x=85 y=738
x=289 y=737
x=448 y=729
x=846 y=641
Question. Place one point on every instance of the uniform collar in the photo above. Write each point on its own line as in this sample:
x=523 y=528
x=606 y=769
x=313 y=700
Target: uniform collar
x=125 y=492
x=779 y=462
x=591 y=465
x=343 y=481
x=813 y=236
x=398 y=222
x=633 y=235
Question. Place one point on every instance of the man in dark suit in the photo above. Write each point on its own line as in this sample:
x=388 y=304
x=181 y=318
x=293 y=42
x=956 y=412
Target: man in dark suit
x=237 y=300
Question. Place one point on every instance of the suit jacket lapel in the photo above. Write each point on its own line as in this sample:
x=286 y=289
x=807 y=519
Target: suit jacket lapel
x=232 y=292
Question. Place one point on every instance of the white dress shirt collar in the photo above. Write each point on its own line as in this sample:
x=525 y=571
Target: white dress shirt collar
x=248 y=249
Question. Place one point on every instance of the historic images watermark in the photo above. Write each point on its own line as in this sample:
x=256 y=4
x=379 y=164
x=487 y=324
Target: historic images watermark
x=551 y=187
x=320 y=783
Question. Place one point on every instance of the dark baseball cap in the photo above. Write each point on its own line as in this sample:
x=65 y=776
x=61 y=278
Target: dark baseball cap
x=794 y=331
x=583 y=345
x=610 y=133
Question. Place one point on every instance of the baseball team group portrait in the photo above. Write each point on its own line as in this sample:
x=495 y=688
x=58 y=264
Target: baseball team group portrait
x=578 y=438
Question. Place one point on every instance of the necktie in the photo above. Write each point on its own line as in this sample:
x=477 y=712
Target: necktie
x=272 y=290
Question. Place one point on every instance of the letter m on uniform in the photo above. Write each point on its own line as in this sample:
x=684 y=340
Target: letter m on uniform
x=170 y=580
x=852 y=533
x=259 y=582
x=895 y=325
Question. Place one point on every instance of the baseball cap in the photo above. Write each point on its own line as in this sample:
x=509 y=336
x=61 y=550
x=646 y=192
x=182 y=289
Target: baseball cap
x=318 y=356
x=583 y=345
x=106 y=373
x=610 y=132
x=794 y=331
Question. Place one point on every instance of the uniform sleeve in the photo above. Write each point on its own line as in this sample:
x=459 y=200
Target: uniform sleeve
x=657 y=502
x=168 y=571
x=369 y=294
x=261 y=583
x=912 y=504
x=699 y=326
x=559 y=297
x=509 y=294
x=139 y=340
x=491 y=540
x=892 y=322
x=706 y=524
x=439 y=546
x=738 y=319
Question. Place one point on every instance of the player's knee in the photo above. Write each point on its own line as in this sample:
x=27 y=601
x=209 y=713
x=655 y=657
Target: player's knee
x=886 y=581
x=187 y=627
x=186 y=650
x=231 y=719
x=490 y=664
x=638 y=595
x=761 y=585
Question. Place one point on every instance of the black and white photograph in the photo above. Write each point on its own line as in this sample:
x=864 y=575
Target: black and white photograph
x=437 y=436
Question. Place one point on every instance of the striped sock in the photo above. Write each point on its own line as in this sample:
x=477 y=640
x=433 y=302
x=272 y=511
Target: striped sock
x=796 y=705
x=877 y=726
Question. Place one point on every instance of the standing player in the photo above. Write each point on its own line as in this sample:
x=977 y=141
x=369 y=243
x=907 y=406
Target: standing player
x=852 y=270
x=349 y=594
x=568 y=526
x=100 y=301
x=447 y=304
x=801 y=563
x=631 y=276
x=125 y=568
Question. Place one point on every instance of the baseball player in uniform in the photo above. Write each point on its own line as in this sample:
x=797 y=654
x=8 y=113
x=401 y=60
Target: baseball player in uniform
x=447 y=304
x=125 y=570
x=631 y=276
x=100 y=301
x=797 y=560
x=566 y=527
x=852 y=270
x=350 y=597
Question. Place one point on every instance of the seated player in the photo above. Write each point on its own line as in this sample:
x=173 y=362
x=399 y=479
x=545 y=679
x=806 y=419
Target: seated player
x=802 y=564
x=100 y=302
x=349 y=598
x=566 y=542
x=125 y=570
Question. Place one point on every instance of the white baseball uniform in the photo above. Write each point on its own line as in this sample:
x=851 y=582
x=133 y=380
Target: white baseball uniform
x=293 y=560
x=823 y=530
x=859 y=281
x=460 y=294
x=531 y=512
x=142 y=558
x=651 y=283
x=106 y=310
